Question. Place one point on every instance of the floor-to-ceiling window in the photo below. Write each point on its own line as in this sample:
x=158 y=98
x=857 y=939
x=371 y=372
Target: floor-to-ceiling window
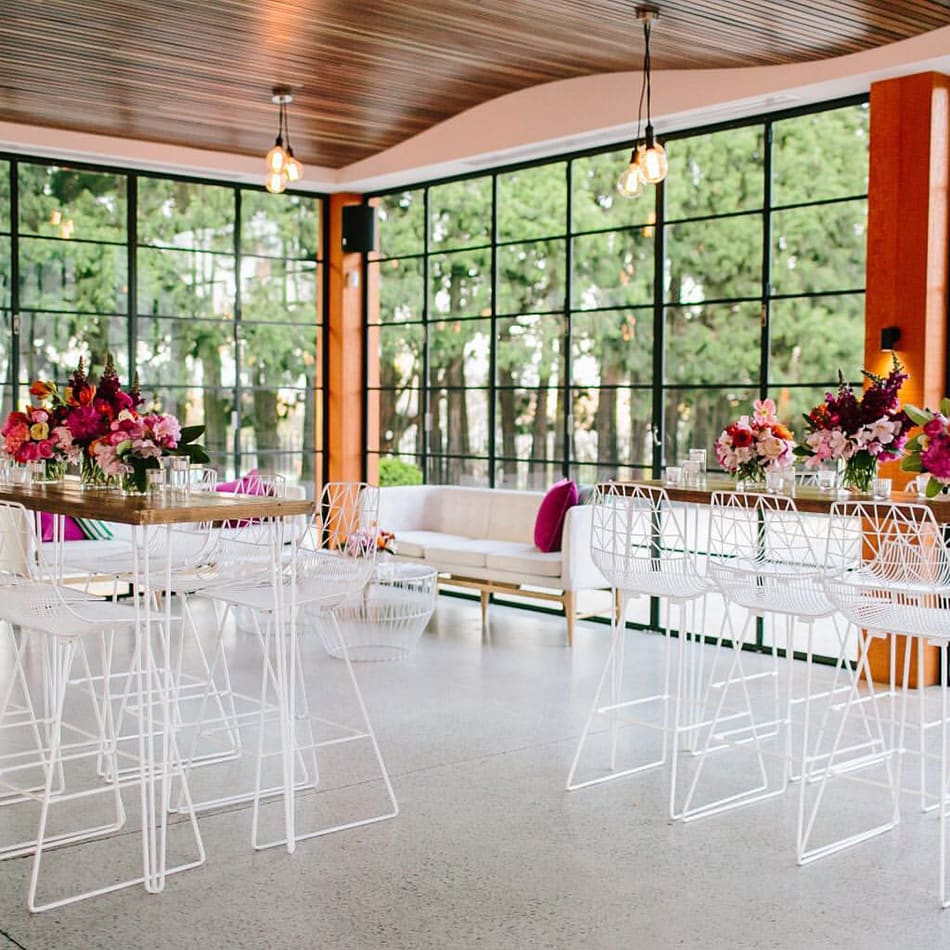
x=533 y=323
x=212 y=293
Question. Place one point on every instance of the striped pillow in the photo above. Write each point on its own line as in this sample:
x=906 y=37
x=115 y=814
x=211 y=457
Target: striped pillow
x=95 y=530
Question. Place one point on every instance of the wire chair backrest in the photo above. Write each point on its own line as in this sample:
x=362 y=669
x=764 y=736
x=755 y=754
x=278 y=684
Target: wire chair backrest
x=761 y=554
x=889 y=567
x=337 y=554
x=639 y=539
x=19 y=552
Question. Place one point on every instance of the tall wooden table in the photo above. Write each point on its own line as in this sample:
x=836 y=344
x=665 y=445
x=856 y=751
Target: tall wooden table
x=159 y=762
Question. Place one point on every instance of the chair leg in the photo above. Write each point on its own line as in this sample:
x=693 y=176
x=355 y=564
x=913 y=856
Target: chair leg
x=484 y=597
x=570 y=613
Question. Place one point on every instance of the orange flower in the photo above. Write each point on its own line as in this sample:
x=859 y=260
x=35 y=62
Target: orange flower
x=40 y=389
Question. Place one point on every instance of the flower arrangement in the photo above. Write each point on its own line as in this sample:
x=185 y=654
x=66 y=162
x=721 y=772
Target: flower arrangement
x=364 y=541
x=754 y=444
x=858 y=431
x=100 y=427
x=928 y=452
x=34 y=435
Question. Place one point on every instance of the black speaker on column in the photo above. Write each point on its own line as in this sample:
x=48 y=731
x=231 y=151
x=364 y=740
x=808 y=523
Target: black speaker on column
x=359 y=229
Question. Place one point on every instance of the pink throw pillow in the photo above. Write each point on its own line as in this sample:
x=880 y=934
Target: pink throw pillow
x=549 y=525
x=249 y=484
x=71 y=530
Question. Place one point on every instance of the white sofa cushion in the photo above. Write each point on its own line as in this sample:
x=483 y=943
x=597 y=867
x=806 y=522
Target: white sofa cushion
x=513 y=514
x=463 y=511
x=416 y=543
x=518 y=558
x=456 y=556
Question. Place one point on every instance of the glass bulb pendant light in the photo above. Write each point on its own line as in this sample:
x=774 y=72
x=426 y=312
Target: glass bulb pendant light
x=282 y=166
x=648 y=163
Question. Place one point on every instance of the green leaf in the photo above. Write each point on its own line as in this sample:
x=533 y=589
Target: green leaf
x=911 y=463
x=190 y=433
x=933 y=487
x=920 y=417
x=945 y=406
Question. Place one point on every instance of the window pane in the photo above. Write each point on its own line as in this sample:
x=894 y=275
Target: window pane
x=531 y=277
x=714 y=260
x=532 y=202
x=612 y=426
x=597 y=203
x=459 y=352
x=529 y=423
x=275 y=421
x=460 y=212
x=279 y=355
x=185 y=283
x=527 y=474
x=400 y=420
x=184 y=214
x=694 y=418
x=192 y=363
x=530 y=350
x=400 y=349
x=612 y=347
x=56 y=274
x=461 y=283
x=196 y=405
x=278 y=290
x=287 y=227
x=459 y=422
x=822 y=155
x=71 y=203
x=401 y=222
x=52 y=343
x=716 y=173
x=813 y=337
x=401 y=289
x=456 y=471
x=819 y=248
x=613 y=269
x=714 y=343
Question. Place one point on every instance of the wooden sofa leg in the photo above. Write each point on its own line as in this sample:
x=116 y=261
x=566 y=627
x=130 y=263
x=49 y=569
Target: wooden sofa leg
x=484 y=596
x=570 y=613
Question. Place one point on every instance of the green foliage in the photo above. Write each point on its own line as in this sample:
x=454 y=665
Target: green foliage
x=393 y=471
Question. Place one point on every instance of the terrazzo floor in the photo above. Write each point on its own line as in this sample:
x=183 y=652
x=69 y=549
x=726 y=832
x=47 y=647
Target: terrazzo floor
x=489 y=851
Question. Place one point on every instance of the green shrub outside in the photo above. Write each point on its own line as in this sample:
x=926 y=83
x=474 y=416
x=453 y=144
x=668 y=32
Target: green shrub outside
x=396 y=472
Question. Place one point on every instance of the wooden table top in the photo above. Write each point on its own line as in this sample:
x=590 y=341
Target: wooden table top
x=807 y=498
x=67 y=498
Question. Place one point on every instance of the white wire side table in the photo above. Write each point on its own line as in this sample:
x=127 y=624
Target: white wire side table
x=386 y=619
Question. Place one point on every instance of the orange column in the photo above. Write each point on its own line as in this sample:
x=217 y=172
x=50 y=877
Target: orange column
x=345 y=344
x=907 y=256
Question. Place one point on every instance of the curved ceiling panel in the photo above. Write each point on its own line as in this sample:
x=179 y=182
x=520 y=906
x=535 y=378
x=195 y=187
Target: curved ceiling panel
x=369 y=75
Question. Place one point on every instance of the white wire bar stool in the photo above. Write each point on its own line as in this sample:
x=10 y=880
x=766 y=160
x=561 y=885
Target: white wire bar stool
x=75 y=761
x=888 y=573
x=318 y=572
x=762 y=559
x=639 y=542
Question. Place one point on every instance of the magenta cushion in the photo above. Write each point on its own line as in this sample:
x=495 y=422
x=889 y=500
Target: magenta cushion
x=71 y=530
x=249 y=484
x=549 y=525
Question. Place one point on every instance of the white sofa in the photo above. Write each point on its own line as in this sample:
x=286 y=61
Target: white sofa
x=483 y=538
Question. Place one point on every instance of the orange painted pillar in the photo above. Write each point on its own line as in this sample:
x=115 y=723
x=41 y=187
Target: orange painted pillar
x=345 y=346
x=907 y=257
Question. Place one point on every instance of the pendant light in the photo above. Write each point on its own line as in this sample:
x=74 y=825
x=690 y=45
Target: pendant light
x=282 y=167
x=648 y=164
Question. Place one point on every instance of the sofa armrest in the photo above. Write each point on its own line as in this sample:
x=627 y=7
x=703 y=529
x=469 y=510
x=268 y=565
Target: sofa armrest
x=578 y=571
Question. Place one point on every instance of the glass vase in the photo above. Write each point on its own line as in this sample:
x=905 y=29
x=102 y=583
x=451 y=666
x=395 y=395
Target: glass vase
x=92 y=477
x=48 y=471
x=858 y=472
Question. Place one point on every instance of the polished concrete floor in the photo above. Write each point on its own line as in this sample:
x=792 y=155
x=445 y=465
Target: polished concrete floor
x=489 y=850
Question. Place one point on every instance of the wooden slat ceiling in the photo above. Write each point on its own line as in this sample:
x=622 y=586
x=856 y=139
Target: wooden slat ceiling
x=368 y=74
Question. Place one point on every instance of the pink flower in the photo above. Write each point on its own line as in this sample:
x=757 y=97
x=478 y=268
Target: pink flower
x=166 y=430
